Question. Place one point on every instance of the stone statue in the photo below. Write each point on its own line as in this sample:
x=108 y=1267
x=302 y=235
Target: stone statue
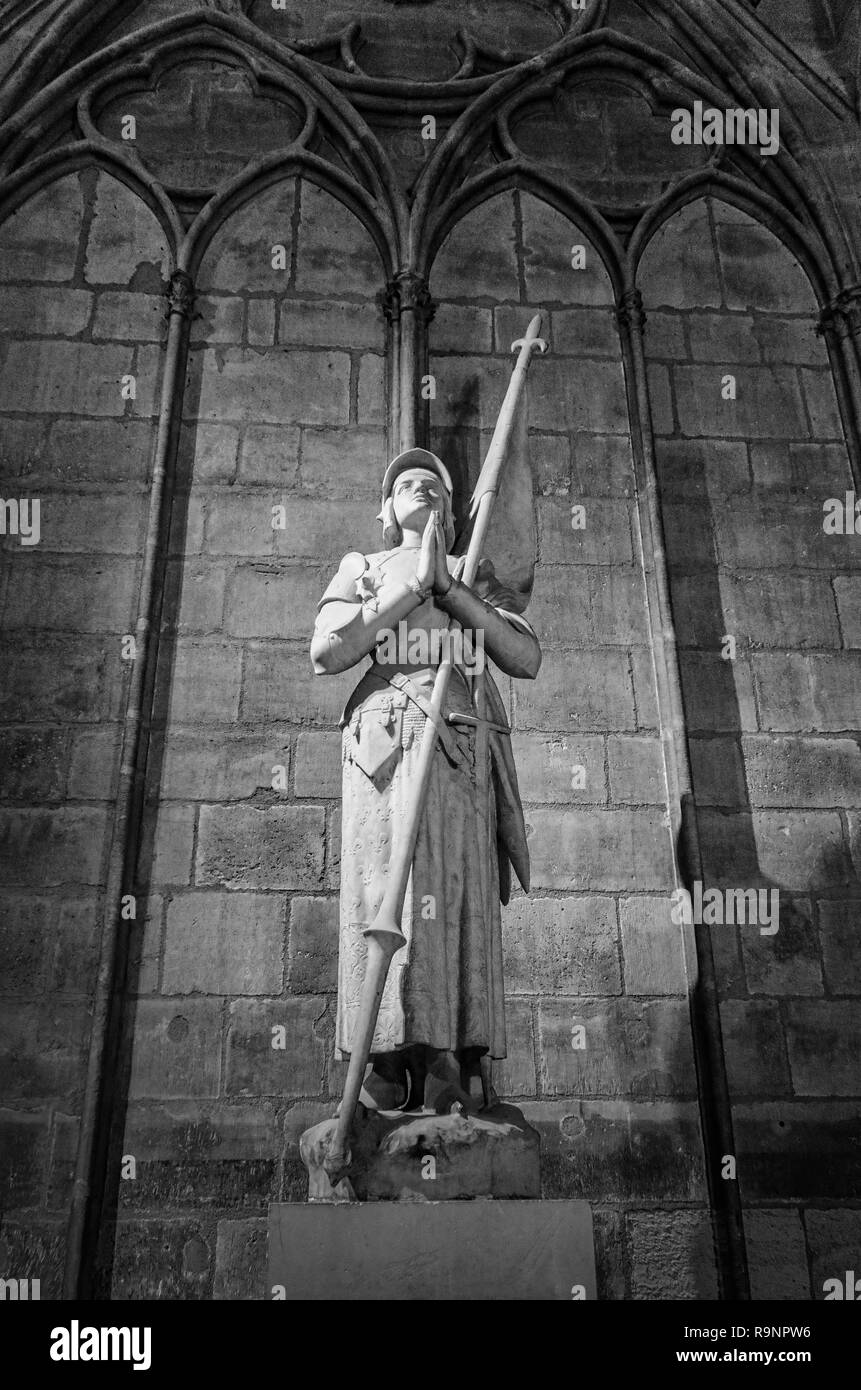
x=442 y=1009
x=435 y=810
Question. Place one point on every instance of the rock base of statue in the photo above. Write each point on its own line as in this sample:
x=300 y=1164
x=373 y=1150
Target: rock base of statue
x=425 y=1157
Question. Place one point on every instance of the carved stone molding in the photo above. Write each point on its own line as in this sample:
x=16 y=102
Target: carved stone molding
x=630 y=313
x=181 y=294
x=842 y=316
x=408 y=292
x=192 y=146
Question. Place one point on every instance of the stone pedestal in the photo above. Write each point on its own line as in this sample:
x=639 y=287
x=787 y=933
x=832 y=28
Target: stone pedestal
x=437 y=1207
x=431 y=1251
x=427 y=1157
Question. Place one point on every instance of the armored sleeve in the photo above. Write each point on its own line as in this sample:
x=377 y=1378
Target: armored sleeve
x=343 y=589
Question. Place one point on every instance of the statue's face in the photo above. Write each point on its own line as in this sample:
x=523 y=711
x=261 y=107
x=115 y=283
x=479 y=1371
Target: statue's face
x=416 y=494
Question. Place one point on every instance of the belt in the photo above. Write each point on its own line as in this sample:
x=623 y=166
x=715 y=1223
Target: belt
x=448 y=744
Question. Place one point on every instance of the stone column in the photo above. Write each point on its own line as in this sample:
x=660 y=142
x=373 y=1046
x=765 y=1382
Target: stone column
x=409 y=309
x=92 y=1180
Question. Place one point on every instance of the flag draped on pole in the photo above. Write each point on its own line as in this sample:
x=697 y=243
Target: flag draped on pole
x=510 y=543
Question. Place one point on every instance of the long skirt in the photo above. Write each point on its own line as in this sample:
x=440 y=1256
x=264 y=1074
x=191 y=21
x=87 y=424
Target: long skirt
x=445 y=987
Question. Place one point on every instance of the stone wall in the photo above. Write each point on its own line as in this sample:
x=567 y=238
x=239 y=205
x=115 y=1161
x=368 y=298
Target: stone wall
x=777 y=770
x=82 y=310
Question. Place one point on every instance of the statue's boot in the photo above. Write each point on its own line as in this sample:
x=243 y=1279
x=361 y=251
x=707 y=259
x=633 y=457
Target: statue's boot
x=476 y=1077
x=444 y=1090
x=489 y=1097
x=416 y=1070
x=385 y=1083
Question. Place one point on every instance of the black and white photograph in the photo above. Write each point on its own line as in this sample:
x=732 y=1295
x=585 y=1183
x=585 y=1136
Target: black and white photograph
x=430 y=668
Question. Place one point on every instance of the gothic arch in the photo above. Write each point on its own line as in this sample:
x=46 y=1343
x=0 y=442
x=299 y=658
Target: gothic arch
x=586 y=50
x=565 y=199
x=589 y=55
x=16 y=189
x=816 y=257
x=749 y=198
x=248 y=48
x=264 y=174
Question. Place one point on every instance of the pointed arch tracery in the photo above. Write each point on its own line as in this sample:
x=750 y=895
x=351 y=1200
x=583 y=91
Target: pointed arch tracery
x=484 y=119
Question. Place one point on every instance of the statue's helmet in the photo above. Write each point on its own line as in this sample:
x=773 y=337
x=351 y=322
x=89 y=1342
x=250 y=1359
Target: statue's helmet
x=404 y=463
x=415 y=458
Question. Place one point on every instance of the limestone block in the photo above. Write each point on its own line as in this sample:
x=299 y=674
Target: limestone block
x=630 y=1047
x=205 y=681
x=755 y=1048
x=652 y=946
x=723 y=338
x=582 y=690
x=824 y=1041
x=546 y=766
x=49 y=847
x=36 y=310
x=672 y=1255
x=276 y=1047
x=177 y=1049
x=777 y=1255
x=163 y=1259
x=478 y=257
x=43 y=1049
x=224 y=943
x=605 y=539
x=561 y=946
x=33 y=764
x=40 y=240
x=679 y=269
x=769 y=402
x=589 y=848
x=261 y=847
x=318 y=765
x=278 y=678
x=840 y=931
x=758 y=271
x=313 y=952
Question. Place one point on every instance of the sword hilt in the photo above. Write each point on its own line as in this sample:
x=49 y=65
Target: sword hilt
x=472 y=719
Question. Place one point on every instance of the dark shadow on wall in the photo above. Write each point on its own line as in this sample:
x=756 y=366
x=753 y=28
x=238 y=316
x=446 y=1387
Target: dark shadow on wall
x=150 y=1190
x=458 y=444
x=771 y=1002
